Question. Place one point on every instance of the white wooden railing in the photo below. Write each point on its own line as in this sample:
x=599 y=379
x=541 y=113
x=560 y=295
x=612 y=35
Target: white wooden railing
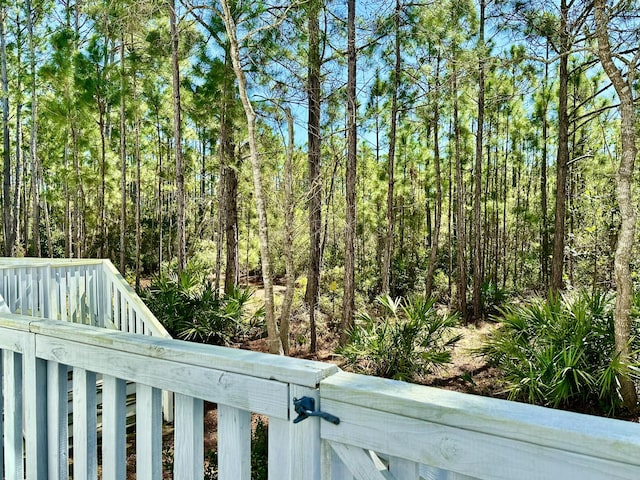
x=387 y=429
x=90 y=292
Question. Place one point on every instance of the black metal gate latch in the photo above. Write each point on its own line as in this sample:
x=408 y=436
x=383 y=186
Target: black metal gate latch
x=305 y=407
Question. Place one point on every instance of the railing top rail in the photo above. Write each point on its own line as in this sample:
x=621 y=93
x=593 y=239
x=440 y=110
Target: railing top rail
x=599 y=437
x=245 y=362
x=13 y=262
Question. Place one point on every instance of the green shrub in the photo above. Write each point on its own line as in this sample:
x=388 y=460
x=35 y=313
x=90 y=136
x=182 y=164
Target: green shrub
x=493 y=297
x=559 y=352
x=410 y=339
x=193 y=310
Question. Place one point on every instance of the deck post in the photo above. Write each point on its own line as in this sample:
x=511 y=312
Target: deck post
x=304 y=438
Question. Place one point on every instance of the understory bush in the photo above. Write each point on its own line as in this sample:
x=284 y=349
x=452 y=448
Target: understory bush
x=193 y=310
x=559 y=352
x=409 y=339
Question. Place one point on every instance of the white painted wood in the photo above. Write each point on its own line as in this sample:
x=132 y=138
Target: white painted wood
x=188 y=438
x=335 y=468
x=304 y=438
x=62 y=285
x=13 y=415
x=359 y=463
x=279 y=449
x=432 y=473
x=57 y=421
x=592 y=436
x=464 y=451
x=404 y=469
x=148 y=433
x=2 y=373
x=234 y=443
x=4 y=308
x=249 y=393
x=35 y=412
x=1 y=413
x=114 y=413
x=254 y=364
x=85 y=464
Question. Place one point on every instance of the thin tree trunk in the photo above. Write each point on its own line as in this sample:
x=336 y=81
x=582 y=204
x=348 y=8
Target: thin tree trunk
x=461 y=286
x=624 y=177
x=435 y=237
x=477 y=194
x=288 y=232
x=123 y=163
x=388 y=244
x=314 y=169
x=543 y=179
x=232 y=268
x=138 y=183
x=8 y=223
x=348 y=299
x=275 y=343
x=557 y=264
x=177 y=138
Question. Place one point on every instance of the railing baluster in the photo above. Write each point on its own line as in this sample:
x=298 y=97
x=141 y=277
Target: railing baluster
x=13 y=414
x=35 y=415
x=279 y=449
x=114 y=416
x=188 y=438
x=405 y=469
x=234 y=443
x=148 y=433
x=84 y=425
x=58 y=420
x=62 y=289
x=2 y=374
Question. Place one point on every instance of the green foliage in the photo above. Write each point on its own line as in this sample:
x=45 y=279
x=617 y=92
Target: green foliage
x=493 y=297
x=410 y=339
x=559 y=352
x=193 y=310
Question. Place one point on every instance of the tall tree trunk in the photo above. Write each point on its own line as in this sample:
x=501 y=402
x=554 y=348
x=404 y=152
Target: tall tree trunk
x=275 y=343
x=477 y=194
x=289 y=215
x=557 y=265
x=177 y=139
x=348 y=299
x=314 y=168
x=624 y=177
x=543 y=179
x=138 y=196
x=435 y=237
x=33 y=144
x=228 y=216
x=230 y=179
x=123 y=162
x=461 y=285
x=7 y=214
x=388 y=244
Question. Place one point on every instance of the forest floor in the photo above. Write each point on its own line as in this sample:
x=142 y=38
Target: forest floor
x=468 y=372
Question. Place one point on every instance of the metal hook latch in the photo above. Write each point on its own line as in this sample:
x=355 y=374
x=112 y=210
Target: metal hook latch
x=305 y=407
